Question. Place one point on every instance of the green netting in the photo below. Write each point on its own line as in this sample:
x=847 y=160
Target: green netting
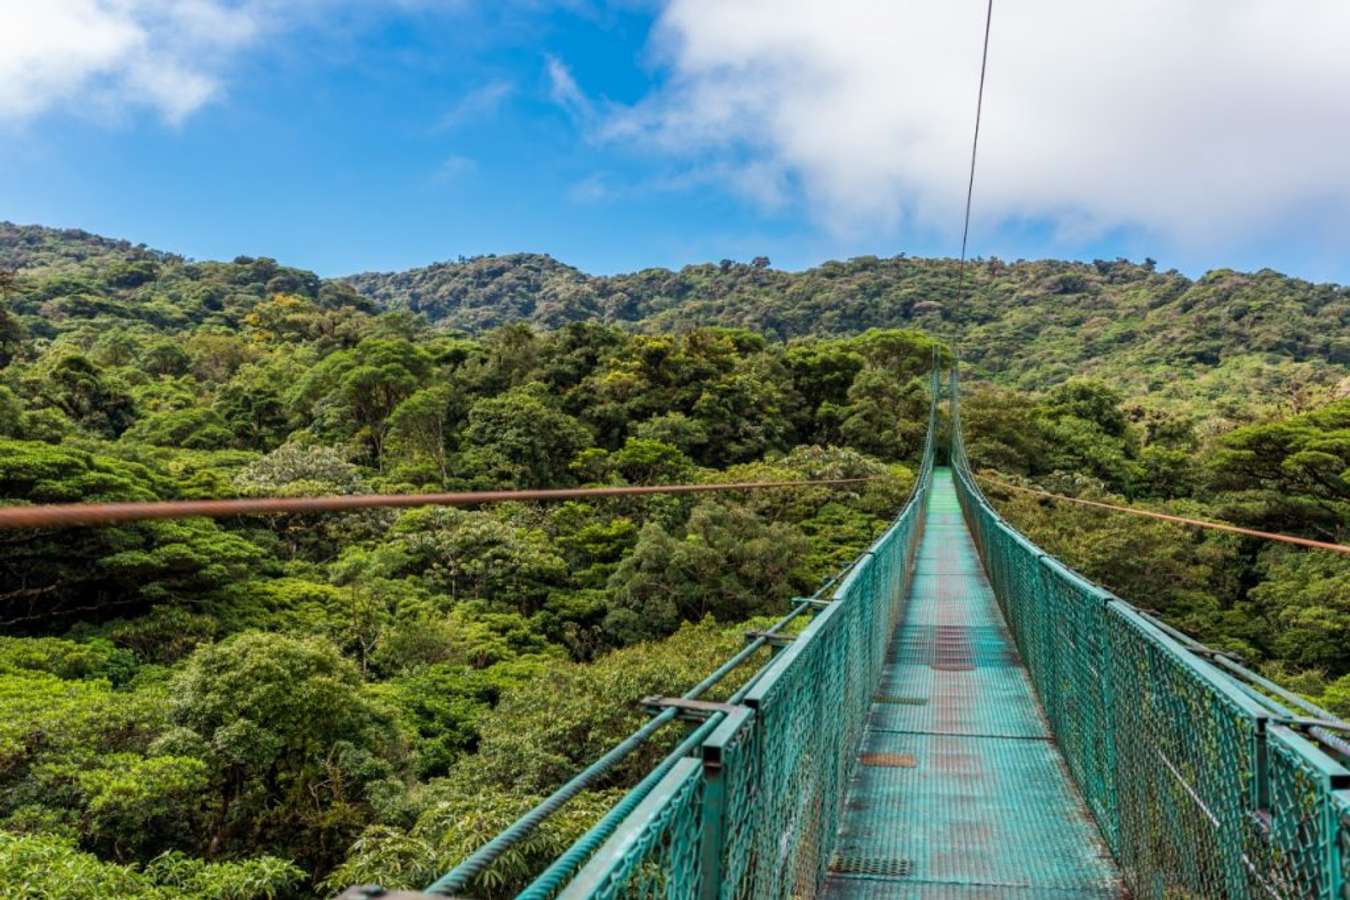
x=810 y=709
x=1305 y=818
x=755 y=814
x=1200 y=785
x=1340 y=819
x=658 y=855
x=1197 y=787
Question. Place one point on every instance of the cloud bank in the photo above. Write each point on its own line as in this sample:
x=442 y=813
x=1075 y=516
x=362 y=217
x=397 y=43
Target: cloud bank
x=103 y=56
x=1196 y=122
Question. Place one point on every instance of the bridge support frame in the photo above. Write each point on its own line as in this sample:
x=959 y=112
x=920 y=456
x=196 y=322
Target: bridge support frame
x=694 y=710
x=712 y=847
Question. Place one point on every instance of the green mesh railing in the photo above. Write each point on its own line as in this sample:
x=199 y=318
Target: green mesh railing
x=1202 y=783
x=752 y=806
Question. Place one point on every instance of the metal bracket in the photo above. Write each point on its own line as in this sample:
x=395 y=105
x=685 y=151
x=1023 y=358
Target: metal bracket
x=1330 y=734
x=776 y=640
x=697 y=710
x=375 y=892
x=1216 y=654
x=1189 y=643
x=810 y=601
x=1299 y=722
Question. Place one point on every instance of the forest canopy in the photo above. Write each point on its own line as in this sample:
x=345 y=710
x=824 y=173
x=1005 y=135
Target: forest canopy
x=282 y=706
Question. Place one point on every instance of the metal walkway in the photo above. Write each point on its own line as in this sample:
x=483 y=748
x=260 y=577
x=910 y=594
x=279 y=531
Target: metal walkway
x=960 y=790
x=896 y=746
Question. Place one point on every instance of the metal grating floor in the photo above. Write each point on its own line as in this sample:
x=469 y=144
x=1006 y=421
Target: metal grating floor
x=987 y=809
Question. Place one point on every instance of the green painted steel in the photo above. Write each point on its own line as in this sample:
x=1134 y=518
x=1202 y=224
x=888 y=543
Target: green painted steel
x=987 y=723
x=757 y=811
x=960 y=790
x=1195 y=780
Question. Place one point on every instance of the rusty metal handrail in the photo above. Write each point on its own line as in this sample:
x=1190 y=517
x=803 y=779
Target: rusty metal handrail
x=57 y=515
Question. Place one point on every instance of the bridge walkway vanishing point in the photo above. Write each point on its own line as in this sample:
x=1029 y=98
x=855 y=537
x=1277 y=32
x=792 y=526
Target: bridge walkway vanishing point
x=960 y=790
x=964 y=716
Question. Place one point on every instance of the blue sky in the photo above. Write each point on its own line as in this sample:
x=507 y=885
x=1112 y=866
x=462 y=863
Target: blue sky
x=620 y=135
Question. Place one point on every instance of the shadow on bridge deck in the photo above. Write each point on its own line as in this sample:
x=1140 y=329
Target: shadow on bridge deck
x=960 y=790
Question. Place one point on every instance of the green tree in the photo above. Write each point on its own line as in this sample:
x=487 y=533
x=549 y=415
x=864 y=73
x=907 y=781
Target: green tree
x=1305 y=596
x=51 y=866
x=1089 y=401
x=730 y=565
x=296 y=470
x=294 y=739
x=253 y=400
x=473 y=554
x=12 y=331
x=645 y=461
x=884 y=416
x=353 y=392
x=77 y=388
x=1292 y=475
x=822 y=372
x=420 y=426
x=195 y=429
x=520 y=439
x=49 y=575
x=1003 y=430
x=11 y=413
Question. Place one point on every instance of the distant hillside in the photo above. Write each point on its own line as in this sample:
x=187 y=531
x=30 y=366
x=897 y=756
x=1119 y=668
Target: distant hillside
x=68 y=279
x=1028 y=323
x=34 y=247
x=1228 y=337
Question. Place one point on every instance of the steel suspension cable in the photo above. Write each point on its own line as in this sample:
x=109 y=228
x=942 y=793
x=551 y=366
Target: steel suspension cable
x=1167 y=517
x=970 y=183
x=55 y=515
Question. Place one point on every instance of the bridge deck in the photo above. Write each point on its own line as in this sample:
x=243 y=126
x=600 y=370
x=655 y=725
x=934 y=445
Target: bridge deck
x=960 y=790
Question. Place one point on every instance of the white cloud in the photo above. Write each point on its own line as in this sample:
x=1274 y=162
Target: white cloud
x=101 y=56
x=760 y=184
x=1195 y=121
x=564 y=90
x=481 y=101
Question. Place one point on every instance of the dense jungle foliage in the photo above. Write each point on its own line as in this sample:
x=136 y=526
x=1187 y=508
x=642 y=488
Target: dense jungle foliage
x=282 y=706
x=1233 y=342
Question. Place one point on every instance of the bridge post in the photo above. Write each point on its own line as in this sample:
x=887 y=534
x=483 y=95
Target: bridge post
x=1341 y=871
x=714 y=831
x=719 y=752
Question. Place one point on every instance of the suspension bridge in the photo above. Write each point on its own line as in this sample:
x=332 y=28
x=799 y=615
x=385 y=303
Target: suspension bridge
x=955 y=714
x=964 y=716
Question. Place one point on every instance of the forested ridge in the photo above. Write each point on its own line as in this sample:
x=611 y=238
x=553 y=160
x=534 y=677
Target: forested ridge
x=282 y=706
x=1026 y=323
